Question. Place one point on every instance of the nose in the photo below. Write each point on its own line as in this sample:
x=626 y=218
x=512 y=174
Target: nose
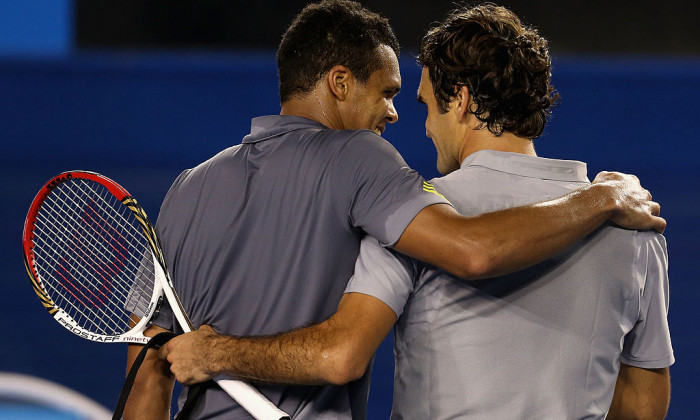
x=392 y=115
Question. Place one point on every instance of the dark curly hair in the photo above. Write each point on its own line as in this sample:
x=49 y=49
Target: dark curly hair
x=505 y=65
x=326 y=34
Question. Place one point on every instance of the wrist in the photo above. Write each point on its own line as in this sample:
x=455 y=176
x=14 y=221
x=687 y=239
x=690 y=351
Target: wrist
x=218 y=354
x=603 y=198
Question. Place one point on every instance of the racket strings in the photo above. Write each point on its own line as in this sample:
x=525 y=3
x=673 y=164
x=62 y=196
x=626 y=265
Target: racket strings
x=100 y=233
x=73 y=292
x=93 y=256
x=86 y=299
x=90 y=255
x=82 y=294
x=96 y=254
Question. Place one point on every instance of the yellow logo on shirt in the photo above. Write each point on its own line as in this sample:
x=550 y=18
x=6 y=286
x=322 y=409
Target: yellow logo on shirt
x=428 y=187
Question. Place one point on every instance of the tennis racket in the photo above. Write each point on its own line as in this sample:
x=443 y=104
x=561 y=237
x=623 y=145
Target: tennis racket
x=97 y=265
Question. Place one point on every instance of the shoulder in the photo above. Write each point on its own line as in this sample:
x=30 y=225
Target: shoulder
x=202 y=169
x=654 y=244
x=362 y=154
x=638 y=251
x=178 y=183
x=193 y=176
x=364 y=141
x=652 y=239
x=647 y=242
x=640 y=239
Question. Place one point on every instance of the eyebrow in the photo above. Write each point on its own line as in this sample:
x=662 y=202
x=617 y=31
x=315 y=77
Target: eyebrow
x=419 y=98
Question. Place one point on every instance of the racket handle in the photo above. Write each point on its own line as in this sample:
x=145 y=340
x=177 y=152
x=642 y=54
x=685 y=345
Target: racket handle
x=252 y=400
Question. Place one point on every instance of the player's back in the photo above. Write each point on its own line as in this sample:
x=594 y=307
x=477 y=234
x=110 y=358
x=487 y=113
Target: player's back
x=262 y=232
x=542 y=343
x=262 y=238
x=249 y=204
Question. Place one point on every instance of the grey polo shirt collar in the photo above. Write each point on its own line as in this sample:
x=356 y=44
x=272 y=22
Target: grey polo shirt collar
x=263 y=128
x=529 y=166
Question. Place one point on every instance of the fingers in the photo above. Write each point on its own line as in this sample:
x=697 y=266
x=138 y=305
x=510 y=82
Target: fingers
x=187 y=355
x=660 y=224
x=168 y=347
x=604 y=176
x=638 y=209
x=655 y=208
x=164 y=351
x=607 y=176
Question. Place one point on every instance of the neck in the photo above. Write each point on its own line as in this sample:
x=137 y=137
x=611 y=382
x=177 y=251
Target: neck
x=314 y=106
x=483 y=139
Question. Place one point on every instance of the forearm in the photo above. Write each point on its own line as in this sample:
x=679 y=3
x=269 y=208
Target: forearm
x=152 y=390
x=641 y=394
x=308 y=356
x=335 y=351
x=518 y=238
x=504 y=241
x=510 y=240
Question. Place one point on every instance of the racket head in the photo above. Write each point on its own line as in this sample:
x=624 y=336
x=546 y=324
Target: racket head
x=93 y=257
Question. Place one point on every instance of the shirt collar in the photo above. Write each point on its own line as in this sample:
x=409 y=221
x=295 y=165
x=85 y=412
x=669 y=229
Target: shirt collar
x=529 y=166
x=263 y=128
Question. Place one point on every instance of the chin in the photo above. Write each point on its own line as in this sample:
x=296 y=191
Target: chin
x=445 y=169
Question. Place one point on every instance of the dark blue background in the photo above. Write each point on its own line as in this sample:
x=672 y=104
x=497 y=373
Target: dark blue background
x=142 y=118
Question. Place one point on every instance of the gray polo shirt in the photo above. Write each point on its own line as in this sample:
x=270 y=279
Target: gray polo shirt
x=263 y=237
x=543 y=343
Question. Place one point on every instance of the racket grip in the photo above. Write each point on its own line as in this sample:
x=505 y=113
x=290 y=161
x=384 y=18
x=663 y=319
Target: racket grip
x=252 y=400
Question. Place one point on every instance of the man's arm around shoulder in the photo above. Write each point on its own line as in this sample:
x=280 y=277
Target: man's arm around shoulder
x=509 y=240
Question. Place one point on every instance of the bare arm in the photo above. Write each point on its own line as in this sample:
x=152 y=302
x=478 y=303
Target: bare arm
x=152 y=391
x=641 y=394
x=509 y=240
x=335 y=351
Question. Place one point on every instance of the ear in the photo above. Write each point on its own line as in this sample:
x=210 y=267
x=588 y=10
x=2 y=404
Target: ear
x=464 y=102
x=340 y=80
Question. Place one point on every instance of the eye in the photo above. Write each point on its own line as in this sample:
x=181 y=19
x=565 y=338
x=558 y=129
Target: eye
x=390 y=93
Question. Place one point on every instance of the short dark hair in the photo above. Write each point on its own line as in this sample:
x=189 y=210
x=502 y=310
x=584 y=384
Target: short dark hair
x=505 y=65
x=326 y=34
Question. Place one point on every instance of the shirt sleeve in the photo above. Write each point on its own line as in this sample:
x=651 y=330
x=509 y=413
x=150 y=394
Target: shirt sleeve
x=382 y=274
x=648 y=345
x=379 y=193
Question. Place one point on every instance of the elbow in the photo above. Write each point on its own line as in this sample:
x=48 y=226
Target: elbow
x=475 y=266
x=342 y=365
x=344 y=374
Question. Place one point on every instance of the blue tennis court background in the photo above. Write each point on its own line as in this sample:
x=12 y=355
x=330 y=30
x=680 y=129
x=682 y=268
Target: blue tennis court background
x=142 y=118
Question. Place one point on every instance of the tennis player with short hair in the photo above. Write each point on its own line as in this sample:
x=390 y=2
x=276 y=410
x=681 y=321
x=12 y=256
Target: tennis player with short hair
x=262 y=237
